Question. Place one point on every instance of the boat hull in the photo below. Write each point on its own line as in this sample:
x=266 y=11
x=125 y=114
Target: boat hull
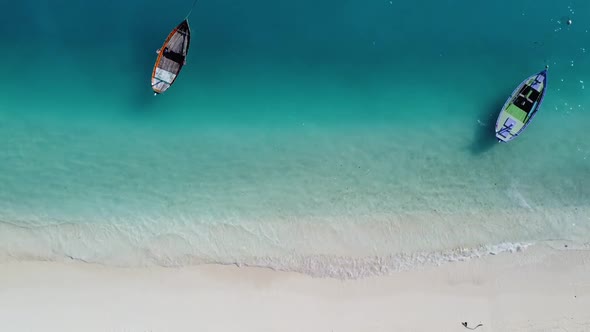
x=521 y=107
x=171 y=58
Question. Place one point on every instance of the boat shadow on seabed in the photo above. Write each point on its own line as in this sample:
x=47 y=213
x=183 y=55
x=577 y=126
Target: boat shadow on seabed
x=484 y=135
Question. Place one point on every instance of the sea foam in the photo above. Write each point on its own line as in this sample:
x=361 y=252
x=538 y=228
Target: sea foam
x=343 y=250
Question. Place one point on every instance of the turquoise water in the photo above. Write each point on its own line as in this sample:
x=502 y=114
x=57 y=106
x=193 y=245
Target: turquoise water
x=341 y=138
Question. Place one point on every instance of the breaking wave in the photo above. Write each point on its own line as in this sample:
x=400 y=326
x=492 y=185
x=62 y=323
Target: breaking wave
x=316 y=250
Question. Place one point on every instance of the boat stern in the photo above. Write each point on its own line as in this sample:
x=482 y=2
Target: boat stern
x=503 y=139
x=507 y=126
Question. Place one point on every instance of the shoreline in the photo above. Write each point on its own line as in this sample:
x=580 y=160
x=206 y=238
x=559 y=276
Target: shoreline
x=321 y=248
x=315 y=266
x=537 y=289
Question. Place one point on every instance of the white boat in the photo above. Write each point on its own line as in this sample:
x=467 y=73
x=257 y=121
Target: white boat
x=522 y=106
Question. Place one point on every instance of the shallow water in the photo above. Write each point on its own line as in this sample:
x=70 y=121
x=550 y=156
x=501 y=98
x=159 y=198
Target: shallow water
x=336 y=139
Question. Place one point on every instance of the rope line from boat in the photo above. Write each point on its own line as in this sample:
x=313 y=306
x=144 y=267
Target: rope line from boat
x=191 y=11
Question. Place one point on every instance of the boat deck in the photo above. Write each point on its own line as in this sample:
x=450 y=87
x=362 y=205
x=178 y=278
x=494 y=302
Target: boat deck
x=171 y=58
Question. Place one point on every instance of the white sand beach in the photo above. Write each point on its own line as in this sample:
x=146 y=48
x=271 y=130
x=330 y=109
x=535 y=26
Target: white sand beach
x=540 y=289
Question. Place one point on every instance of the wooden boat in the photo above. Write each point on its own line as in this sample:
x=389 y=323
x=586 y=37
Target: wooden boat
x=522 y=106
x=171 y=58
